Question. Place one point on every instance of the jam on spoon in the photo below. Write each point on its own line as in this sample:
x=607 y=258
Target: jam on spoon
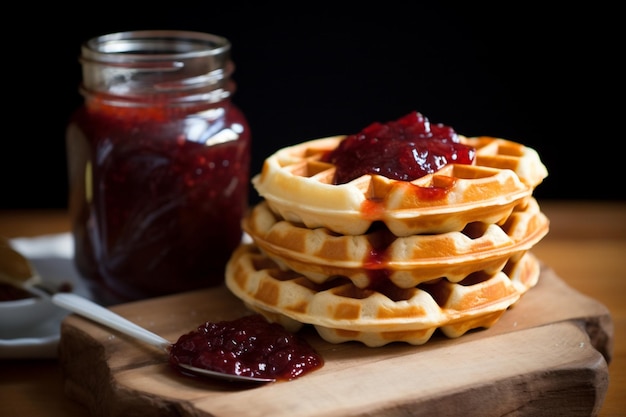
x=247 y=349
x=250 y=348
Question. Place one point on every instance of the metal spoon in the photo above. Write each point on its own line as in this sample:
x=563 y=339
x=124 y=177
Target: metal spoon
x=16 y=270
x=102 y=315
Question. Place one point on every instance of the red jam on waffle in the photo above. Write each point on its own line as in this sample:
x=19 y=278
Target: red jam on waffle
x=405 y=149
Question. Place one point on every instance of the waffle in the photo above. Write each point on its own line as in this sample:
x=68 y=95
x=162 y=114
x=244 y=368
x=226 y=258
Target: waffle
x=320 y=254
x=297 y=185
x=341 y=312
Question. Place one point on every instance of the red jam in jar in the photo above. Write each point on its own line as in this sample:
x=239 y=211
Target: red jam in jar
x=158 y=161
x=248 y=346
x=403 y=149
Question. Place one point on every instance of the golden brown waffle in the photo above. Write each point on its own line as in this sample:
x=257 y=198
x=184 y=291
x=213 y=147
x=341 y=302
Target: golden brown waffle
x=342 y=312
x=406 y=261
x=298 y=186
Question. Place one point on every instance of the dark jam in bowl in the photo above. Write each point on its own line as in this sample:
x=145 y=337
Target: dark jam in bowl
x=9 y=292
x=403 y=149
x=248 y=346
x=157 y=195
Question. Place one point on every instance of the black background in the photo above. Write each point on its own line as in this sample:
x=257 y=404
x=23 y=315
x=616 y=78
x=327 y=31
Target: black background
x=545 y=78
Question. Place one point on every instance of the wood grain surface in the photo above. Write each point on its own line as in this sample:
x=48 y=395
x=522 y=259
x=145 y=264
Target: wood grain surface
x=547 y=355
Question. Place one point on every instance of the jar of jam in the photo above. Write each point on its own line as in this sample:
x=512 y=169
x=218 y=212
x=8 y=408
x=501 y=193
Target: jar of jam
x=158 y=164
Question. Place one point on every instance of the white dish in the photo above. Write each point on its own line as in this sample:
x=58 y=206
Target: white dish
x=26 y=313
x=51 y=255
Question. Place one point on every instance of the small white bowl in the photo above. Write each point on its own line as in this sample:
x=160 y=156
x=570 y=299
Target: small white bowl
x=24 y=314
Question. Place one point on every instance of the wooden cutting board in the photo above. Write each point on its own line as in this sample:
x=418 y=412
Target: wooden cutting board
x=547 y=355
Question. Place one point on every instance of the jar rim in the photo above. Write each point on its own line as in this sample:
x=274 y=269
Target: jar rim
x=151 y=45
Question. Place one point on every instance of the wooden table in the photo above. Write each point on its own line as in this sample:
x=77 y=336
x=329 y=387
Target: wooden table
x=586 y=247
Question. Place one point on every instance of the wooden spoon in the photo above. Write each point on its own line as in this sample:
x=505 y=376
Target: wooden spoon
x=18 y=272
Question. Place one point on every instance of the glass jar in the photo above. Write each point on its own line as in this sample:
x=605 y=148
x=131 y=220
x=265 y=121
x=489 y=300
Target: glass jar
x=158 y=164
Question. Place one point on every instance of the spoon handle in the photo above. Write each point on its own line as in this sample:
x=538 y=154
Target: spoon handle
x=93 y=311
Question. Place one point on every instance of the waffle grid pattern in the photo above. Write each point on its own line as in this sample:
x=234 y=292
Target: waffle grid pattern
x=380 y=261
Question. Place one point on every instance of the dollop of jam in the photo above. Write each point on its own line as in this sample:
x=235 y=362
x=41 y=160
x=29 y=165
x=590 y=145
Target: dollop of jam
x=404 y=149
x=249 y=346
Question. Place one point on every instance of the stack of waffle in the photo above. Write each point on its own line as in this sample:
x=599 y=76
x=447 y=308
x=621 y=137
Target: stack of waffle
x=374 y=261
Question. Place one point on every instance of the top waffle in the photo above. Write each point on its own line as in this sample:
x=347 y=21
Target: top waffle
x=298 y=186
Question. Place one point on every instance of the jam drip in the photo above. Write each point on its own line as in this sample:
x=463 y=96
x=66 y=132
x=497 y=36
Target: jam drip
x=248 y=346
x=405 y=149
